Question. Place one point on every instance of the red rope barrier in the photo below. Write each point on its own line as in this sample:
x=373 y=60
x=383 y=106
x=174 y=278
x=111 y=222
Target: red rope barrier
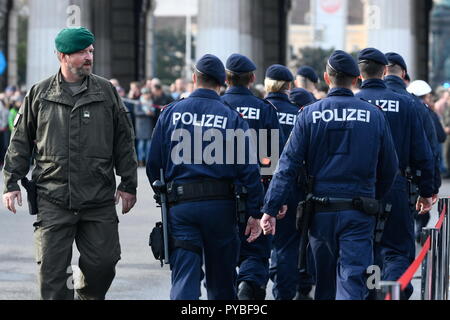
x=409 y=273
x=441 y=218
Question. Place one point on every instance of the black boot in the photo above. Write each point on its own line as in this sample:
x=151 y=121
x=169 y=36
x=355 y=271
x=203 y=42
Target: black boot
x=250 y=291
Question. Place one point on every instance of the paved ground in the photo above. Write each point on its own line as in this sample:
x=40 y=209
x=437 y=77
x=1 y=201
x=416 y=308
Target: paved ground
x=139 y=276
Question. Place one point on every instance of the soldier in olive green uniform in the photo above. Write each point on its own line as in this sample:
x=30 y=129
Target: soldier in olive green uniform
x=76 y=126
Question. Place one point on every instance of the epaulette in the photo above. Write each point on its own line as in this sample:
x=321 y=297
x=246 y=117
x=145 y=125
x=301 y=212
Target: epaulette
x=171 y=104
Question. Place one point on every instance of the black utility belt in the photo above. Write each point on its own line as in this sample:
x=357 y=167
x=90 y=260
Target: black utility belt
x=367 y=205
x=203 y=190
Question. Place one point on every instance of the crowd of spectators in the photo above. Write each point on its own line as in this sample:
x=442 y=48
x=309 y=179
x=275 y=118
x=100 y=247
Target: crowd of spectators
x=10 y=102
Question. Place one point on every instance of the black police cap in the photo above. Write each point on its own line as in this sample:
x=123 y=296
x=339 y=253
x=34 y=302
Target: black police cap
x=342 y=62
x=372 y=54
x=239 y=63
x=395 y=58
x=308 y=72
x=301 y=97
x=212 y=66
x=279 y=72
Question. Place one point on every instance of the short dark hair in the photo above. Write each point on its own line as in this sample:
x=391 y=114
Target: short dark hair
x=339 y=79
x=206 y=81
x=371 y=69
x=395 y=69
x=242 y=79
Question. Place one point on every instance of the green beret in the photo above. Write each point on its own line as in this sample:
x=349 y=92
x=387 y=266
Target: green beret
x=71 y=40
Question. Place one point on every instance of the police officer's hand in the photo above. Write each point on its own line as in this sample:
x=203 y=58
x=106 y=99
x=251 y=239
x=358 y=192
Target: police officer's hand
x=282 y=213
x=424 y=205
x=253 y=229
x=10 y=198
x=434 y=198
x=268 y=224
x=128 y=200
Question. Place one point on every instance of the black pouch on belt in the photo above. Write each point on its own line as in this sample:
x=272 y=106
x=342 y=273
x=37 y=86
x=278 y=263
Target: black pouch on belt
x=367 y=205
x=156 y=241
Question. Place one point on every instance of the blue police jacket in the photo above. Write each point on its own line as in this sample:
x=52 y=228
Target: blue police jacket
x=407 y=131
x=258 y=113
x=396 y=84
x=190 y=143
x=287 y=111
x=345 y=144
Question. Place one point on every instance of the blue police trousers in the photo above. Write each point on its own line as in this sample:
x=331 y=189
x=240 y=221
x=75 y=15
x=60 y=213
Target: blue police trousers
x=254 y=259
x=342 y=246
x=212 y=226
x=284 y=273
x=397 y=248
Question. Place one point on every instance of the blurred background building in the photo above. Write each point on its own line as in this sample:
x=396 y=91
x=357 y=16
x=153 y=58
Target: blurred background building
x=139 y=39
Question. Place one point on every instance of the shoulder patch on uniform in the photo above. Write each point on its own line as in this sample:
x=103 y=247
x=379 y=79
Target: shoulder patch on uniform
x=17 y=119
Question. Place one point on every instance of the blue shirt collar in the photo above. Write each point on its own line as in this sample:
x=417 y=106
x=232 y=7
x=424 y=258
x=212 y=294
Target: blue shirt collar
x=340 y=92
x=204 y=93
x=373 y=83
x=395 y=81
x=277 y=95
x=238 y=90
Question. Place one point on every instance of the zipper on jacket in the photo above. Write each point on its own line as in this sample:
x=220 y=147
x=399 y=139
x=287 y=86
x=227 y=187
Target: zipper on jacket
x=68 y=162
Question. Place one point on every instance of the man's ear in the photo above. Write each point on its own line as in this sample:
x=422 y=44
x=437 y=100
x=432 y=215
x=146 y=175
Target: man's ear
x=326 y=77
x=194 y=78
x=252 y=78
x=355 y=81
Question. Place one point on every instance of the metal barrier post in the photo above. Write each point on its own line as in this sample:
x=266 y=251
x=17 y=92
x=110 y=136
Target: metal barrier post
x=425 y=270
x=392 y=288
x=446 y=225
x=432 y=266
x=440 y=263
x=443 y=248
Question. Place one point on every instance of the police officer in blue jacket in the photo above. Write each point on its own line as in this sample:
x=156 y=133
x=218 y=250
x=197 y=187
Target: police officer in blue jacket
x=189 y=144
x=394 y=79
x=346 y=145
x=288 y=281
x=283 y=268
x=277 y=83
x=396 y=250
x=260 y=115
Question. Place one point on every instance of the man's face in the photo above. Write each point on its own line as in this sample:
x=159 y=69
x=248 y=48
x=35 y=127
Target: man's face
x=80 y=63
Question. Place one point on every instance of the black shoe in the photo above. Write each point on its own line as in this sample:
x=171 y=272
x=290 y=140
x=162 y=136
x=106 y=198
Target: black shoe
x=250 y=291
x=302 y=296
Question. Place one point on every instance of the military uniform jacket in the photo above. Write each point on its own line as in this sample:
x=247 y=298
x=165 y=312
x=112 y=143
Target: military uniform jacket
x=407 y=131
x=190 y=143
x=397 y=85
x=346 y=146
x=78 y=142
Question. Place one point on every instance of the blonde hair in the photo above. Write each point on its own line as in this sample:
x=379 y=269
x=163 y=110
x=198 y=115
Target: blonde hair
x=271 y=85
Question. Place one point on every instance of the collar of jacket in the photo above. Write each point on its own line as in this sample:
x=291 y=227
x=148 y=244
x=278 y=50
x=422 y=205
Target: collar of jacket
x=278 y=95
x=204 y=93
x=89 y=94
x=340 y=92
x=373 y=83
x=395 y=81
x=239 y=90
